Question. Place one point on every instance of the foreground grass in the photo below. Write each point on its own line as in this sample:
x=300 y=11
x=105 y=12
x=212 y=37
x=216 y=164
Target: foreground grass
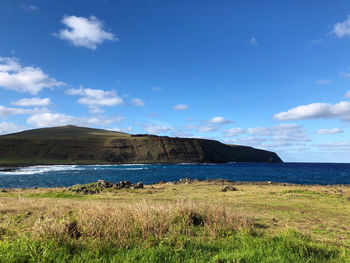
x=240 y=247
x=177 y=223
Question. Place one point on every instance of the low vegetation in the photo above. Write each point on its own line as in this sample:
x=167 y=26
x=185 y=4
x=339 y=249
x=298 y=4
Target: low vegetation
x=187 y=222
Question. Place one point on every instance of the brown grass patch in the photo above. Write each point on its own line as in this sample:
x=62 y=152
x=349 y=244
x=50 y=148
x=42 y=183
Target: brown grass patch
x=138 y=221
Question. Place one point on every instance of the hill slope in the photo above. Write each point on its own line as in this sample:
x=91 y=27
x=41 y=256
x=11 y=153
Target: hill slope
x=78 y=145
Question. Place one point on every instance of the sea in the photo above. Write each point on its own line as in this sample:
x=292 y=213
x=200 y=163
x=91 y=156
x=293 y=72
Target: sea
x=68 y=175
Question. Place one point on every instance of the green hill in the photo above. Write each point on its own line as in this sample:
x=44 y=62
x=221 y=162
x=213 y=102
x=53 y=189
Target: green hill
x=79 y=145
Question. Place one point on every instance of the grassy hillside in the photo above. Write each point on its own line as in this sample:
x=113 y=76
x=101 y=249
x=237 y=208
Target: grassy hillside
x=177 y=223
x=78 y=145
x=68 y=131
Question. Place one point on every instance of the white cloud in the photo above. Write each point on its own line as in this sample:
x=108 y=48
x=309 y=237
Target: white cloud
x=219 y=120
x=347 y=95
x=329 y=131
x=58 y=119
x=32 y=102
x=138 y=102
x=180 y=107
x=151 y=128
x=323 y=81
x=260 y=131
x=344 y=74
x=9 y=127
x=202 y=127
x=28 y=8
x=316 y=111
x=128 y=129
x=183 y=134
x=342 y=29
x=288 y=128
x=233 y=132
x=14 y=76
x=253 y=42
x=208 y=128
x=335 y=146
x=84 y=32
x=278 y=136
x=191 y=126
x=289 y=133
x=214 y=124
x=251 y=141
x=96 y=98
x=5 y=111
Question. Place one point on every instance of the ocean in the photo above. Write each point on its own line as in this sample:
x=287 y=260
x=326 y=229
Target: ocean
x=68 y=175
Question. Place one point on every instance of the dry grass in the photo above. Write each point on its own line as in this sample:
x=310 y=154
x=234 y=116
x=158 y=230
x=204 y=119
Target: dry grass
x=321 y=212
x=126 y=223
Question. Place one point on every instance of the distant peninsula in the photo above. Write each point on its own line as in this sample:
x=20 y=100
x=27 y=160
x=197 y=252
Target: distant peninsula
x=80 y=145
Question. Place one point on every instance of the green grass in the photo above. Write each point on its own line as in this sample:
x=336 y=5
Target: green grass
x=194 y=223
x=239 y=247
x=300 y=191
x=56 y=195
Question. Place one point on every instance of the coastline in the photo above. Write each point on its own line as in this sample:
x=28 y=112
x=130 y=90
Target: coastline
x=216 y=182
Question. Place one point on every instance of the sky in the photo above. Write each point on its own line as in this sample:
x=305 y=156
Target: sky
x=269 y=74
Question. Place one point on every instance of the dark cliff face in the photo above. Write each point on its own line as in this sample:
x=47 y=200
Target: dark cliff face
x=40 y=148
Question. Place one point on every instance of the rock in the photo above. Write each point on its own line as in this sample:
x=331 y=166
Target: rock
x=104 y=184
x=122 y=185
x=101 y=185
x=229 y=188
x=219 y=181
x=4 y=191
x=72 y=230
x=138 y=185
x=29 y=214
x=161 y=182
x=9 y=170
x=187 y=181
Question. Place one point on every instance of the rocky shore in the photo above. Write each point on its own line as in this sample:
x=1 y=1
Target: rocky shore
x=101 y=185
x=228 y=185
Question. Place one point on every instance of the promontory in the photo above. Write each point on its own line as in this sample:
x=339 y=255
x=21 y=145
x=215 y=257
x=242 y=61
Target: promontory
x=79 y=145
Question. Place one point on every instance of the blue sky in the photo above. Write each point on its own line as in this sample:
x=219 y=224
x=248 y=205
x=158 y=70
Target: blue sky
x=268 y=74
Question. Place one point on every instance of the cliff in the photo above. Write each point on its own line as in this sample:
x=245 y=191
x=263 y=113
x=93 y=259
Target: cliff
x=78 y=145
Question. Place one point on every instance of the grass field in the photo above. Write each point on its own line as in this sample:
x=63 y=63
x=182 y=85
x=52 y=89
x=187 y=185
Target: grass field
x=177 y=223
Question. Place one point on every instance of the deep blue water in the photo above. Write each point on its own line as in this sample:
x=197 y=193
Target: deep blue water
x=68 y=175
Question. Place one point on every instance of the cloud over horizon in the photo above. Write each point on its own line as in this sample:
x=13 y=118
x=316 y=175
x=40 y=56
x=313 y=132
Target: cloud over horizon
x=153 y=128
x=316 y=111
x=60 y=119
x=9 y=127
x=283 y=135
x=96 y=98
